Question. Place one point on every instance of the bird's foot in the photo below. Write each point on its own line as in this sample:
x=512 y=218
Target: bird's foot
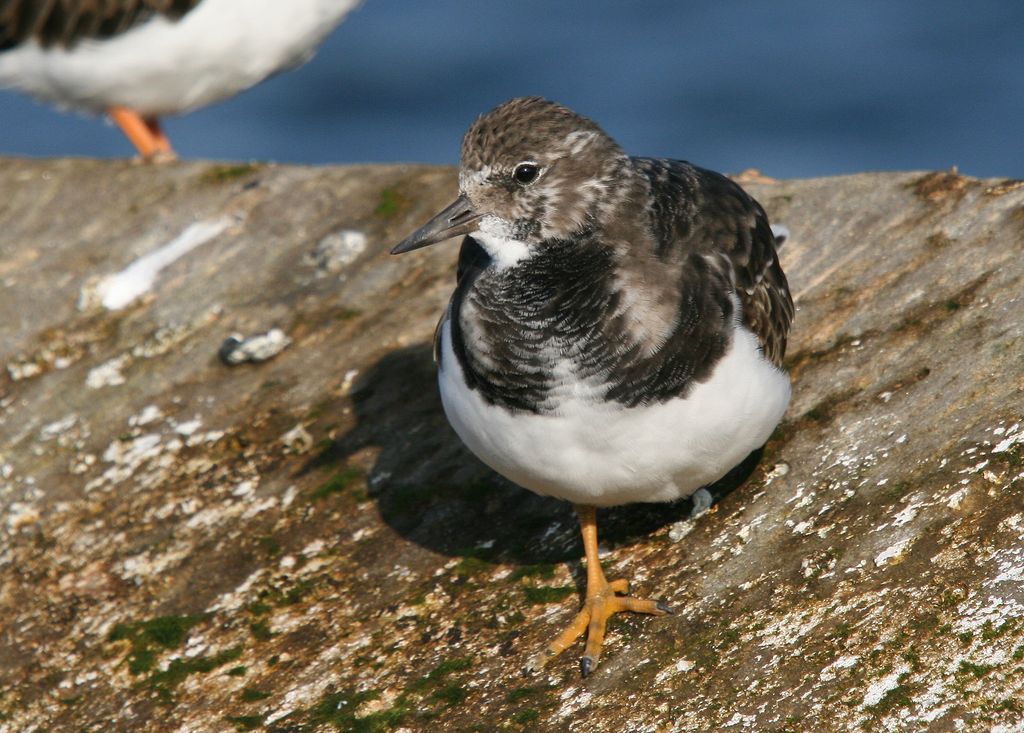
x=145 y=134
x=600 y=604
x=702 y=501
x=160 y=157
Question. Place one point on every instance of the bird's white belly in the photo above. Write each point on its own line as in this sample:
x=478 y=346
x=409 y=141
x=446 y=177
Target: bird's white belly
x=603 y=454
x=165 y=67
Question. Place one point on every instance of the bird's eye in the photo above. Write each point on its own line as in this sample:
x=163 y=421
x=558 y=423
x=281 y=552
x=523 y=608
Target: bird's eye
x=526 y=173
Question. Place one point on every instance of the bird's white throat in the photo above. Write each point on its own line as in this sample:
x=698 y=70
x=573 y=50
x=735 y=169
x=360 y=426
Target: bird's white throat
x=503 y=249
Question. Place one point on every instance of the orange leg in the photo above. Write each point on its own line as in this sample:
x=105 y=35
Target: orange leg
x=145 y=134
x=601 y=602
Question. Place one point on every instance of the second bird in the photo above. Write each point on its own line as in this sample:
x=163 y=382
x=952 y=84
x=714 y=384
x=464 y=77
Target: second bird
x=139 y=60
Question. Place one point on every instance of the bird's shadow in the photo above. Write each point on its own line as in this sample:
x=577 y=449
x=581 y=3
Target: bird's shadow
x=432 y=491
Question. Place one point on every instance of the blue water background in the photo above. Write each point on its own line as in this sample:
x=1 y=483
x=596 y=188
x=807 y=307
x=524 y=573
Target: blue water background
x=795 y=88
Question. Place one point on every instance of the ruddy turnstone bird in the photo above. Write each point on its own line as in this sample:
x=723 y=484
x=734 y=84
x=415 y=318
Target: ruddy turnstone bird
x=138 y=60
x=617 y=331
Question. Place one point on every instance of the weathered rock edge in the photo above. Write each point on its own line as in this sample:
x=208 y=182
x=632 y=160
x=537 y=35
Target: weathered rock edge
x=302 y=544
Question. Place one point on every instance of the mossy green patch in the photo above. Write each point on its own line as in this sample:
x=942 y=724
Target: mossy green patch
x=925 y=623
x=418 y=600
x=238 y=671
x=1014 y=457
x=895 y=697
x=451 y=694
x=537 y=698
x=522 y=693
x=792 y=724
x=547 y=594
x=142 y=660
x=729 y=637
x=990 y=631
x=896 y=491
x=527 y=716
x=296 y=593
x=391 y=202
x=974 y=670
x=346 y=314
x=44 y=542
x=336 y=484
x=470 y=566
x=260 y=631
x=545 y=571
x=439 y=686
x=337 y=708
x=164 y=681
x=950 y=599
x=441 y=671
x=1010 y=705
x=259 y=608
x=225 y=173
x=703 y=646
x=147 y=638
x=269 y=545
x=246 y=722
x=252 y=694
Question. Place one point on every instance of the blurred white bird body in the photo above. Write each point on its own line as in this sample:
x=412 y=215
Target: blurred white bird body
x=159 y=64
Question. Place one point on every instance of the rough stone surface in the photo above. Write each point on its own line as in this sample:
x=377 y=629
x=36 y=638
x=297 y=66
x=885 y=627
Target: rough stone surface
x=303 y=544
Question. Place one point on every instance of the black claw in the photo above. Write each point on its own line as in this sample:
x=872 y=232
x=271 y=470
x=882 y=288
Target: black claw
x=664 y=607
x=586 y=666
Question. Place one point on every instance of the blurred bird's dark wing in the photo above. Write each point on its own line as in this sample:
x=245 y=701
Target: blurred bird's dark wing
x=472 y=261
x=65 y=22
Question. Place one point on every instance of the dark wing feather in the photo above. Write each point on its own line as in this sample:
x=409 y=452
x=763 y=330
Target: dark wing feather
x=703 y=212
x=65 y=22
x=472 y=261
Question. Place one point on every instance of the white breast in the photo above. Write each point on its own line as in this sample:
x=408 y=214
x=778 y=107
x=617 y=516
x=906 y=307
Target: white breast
x=605 y=454
x=219 y=49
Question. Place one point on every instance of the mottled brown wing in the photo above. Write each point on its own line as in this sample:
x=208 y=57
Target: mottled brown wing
x=65 y=22
x=762 y=287
x=700 y=211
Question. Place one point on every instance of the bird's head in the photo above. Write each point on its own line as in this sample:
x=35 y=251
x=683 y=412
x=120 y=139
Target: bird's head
x=531 y=171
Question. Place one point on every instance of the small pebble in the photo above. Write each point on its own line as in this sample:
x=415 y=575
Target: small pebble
x=297 y=440
x=237 y=349
x=338 y=250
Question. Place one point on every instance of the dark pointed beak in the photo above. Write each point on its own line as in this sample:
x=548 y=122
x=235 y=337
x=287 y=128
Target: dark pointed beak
x=456 y=220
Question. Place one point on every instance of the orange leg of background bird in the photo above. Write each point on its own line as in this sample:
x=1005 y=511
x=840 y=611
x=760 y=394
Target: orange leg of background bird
x=601 y=602
x=145 y=134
